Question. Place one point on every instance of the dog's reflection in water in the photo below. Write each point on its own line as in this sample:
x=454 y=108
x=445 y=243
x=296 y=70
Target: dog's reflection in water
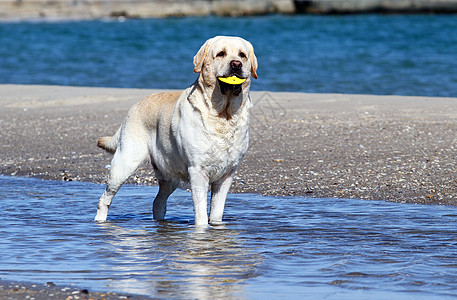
x=172 y=259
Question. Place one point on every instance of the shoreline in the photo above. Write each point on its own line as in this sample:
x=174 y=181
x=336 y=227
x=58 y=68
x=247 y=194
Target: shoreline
x=44 y=291
x=19 y=10
x=391 y=148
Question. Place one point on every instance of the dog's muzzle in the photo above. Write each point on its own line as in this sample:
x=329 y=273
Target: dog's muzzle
x=233 y=88
x=236 y=70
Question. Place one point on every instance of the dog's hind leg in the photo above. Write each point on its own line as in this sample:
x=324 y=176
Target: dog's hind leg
x=166 y=188
x=125 y=162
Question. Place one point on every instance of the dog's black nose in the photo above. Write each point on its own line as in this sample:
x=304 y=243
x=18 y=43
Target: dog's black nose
x=236 y=64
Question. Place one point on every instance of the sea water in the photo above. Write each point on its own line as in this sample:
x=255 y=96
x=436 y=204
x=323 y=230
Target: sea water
x=269 y=248
x=365 y=54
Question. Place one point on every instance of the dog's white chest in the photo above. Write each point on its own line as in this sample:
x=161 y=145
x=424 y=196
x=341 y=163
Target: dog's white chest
x=225 y=150
x=216 y=145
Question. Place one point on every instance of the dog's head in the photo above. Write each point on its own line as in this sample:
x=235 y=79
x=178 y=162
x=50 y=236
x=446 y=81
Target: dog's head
x=224 y=57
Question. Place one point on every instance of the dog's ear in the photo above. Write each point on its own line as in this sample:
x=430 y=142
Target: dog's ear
x=253 y=59
x=200 y=56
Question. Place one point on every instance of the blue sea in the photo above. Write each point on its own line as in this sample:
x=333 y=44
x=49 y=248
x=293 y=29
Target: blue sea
x=363 y=54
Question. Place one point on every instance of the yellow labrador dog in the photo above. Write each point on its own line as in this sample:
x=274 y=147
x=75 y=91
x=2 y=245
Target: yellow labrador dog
x=199 y=135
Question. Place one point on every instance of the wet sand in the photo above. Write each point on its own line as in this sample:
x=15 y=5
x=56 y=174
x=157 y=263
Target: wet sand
x=390 y=148
x=19 y=290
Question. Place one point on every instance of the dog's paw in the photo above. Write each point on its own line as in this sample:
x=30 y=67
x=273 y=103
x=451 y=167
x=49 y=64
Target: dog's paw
x=217 y=223
x=100 y=217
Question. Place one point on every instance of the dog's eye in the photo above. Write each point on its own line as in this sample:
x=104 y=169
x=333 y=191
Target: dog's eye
x=221 y=54
x=243 y=55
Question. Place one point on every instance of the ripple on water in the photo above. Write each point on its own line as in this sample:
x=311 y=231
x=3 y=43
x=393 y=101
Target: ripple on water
x=270 y=247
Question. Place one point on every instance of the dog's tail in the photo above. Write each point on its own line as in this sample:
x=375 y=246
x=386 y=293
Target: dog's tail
x=109 y=143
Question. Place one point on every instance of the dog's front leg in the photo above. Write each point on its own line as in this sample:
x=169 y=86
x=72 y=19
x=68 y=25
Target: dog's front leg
x=199 y=185
x=219 y=190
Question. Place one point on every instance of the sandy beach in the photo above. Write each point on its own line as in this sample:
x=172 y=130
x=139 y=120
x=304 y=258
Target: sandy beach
x=390 y=148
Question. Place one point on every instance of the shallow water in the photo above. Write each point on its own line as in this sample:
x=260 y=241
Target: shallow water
x=270 y=247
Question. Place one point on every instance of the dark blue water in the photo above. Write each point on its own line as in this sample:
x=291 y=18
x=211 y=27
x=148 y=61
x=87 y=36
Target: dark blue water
x=270 y=248
x=365 y=54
